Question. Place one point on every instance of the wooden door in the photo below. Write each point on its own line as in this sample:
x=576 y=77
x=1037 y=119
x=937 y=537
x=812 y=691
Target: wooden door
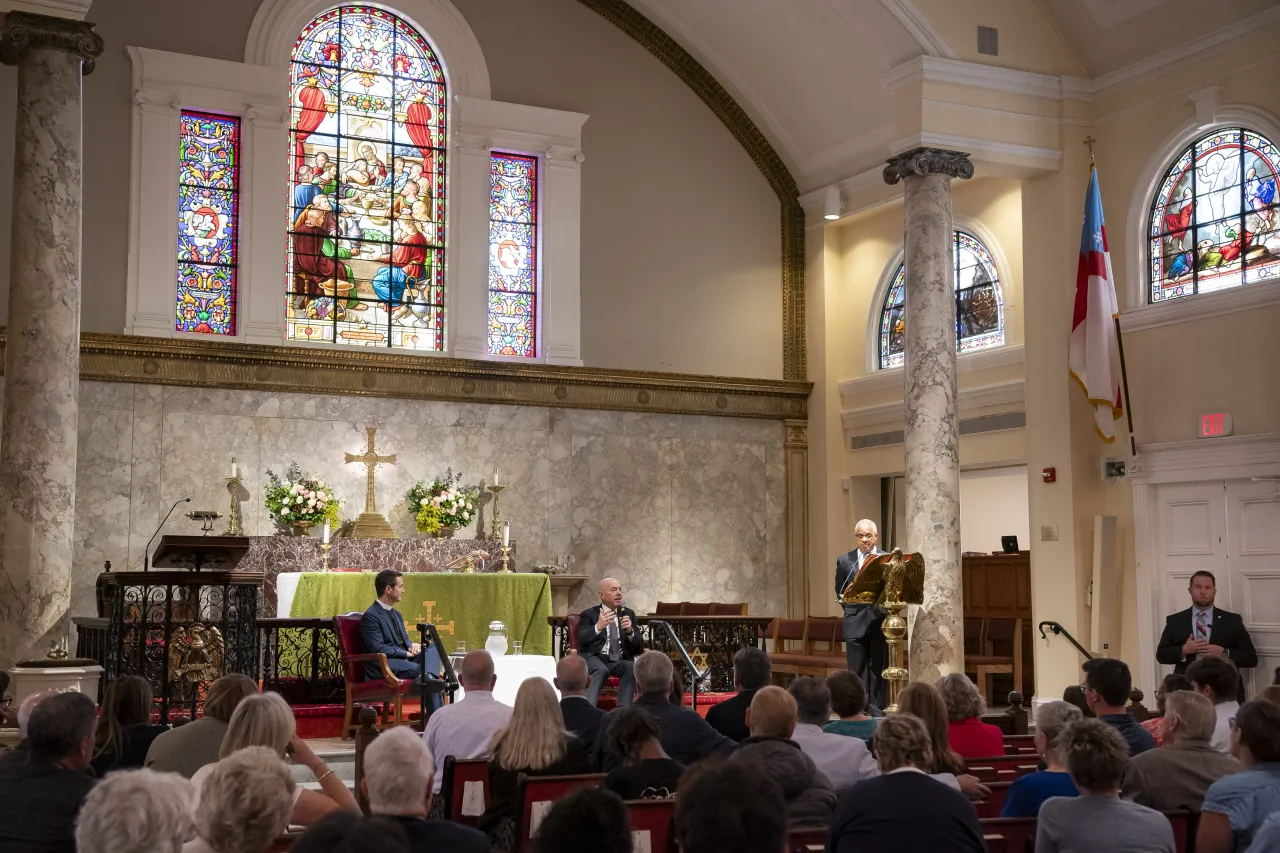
x=1252 y=583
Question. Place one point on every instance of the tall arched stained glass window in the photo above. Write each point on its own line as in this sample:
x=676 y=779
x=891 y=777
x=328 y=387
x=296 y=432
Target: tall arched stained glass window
x=367 y=207
x=979 y=303
x=1214 y=222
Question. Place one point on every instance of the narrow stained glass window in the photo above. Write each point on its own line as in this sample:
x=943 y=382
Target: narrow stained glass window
x=513 y=255
x=1214 y=222
x=367 y=149
x=979 y=303
x=208 y=222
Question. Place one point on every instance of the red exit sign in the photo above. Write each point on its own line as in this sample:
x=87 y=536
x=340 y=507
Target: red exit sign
x=1215 y=424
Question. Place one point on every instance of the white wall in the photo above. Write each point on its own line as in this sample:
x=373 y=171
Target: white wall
x=993 y=503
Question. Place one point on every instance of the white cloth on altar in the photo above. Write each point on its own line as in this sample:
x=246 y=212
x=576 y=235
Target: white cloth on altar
x=512 y=670
x=286 y=589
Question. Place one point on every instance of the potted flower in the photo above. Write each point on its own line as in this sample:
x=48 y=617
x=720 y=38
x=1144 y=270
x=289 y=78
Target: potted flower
x=300 y=501
x=443 y=506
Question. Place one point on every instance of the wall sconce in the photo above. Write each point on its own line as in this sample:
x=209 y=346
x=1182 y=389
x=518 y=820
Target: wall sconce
x=833 y=204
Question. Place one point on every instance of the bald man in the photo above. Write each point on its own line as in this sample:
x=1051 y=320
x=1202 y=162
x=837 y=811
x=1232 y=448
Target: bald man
x=464 y=728
x=580 y=716
x=865 y=651
x=608 y=640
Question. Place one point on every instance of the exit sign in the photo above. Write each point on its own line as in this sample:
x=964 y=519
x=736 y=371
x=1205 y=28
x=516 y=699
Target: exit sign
x=1215 y=424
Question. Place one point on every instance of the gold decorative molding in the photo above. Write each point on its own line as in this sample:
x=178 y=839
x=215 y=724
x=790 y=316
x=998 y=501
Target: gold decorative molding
x=796 y=451
x=655 y=40
x=365 y=373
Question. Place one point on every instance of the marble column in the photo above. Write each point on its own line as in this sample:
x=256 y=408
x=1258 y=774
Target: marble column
x=42 y=356
x=933 y=424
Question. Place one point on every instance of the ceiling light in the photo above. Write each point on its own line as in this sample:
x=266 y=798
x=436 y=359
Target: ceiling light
x=832 y=203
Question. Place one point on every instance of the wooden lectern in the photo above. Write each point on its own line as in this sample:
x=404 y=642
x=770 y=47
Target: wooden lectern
x=891 y=582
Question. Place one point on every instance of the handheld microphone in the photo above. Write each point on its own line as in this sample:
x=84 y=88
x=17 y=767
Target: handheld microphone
x=146 y=554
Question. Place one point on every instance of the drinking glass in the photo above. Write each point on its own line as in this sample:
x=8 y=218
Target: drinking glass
x=517 y=647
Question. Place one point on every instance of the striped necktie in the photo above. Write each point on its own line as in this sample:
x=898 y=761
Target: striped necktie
x=1202 y=630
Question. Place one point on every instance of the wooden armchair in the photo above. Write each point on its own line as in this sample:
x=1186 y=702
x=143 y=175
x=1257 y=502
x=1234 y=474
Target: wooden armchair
x=990 y=660
x=387 y=690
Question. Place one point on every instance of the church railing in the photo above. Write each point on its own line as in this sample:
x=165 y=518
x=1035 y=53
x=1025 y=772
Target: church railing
x=718 y=638
x=301 y=660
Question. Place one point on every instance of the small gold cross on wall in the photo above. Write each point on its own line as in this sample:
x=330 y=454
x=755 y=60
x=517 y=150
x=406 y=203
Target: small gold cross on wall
x=371 y=459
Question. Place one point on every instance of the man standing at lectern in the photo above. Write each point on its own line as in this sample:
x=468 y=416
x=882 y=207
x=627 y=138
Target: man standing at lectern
x=864 y=646
x=382 y=631
x=609 y=639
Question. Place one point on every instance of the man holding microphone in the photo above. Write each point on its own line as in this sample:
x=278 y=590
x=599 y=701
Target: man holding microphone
x=608 y=640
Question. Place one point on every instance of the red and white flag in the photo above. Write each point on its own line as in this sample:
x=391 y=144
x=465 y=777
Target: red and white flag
x=1095 y=345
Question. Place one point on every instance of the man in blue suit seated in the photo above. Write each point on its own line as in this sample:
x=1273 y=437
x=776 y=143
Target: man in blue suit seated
x=382 y=631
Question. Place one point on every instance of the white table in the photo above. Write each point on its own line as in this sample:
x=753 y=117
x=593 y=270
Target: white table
x=512 y=670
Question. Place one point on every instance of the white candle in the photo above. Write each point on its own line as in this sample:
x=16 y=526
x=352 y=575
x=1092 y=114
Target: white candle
x=326 y=533
x=506 y=534
x=233 y=469
x=497 y=478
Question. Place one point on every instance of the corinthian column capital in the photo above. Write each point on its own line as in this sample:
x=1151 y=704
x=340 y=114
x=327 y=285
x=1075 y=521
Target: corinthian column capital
x=21 y=30
x=927 y=161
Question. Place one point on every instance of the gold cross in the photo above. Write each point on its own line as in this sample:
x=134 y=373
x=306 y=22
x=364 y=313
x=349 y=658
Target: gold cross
x=371 y=459
x=441 y=627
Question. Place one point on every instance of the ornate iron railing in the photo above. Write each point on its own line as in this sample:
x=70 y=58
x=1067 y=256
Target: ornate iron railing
x=715 y=639
x=301 y=660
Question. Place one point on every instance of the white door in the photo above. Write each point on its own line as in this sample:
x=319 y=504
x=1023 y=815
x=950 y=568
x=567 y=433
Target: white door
x=1191 y=534
x=1253 y=549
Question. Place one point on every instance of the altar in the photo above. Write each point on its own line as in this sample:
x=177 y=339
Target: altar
x=460 y=605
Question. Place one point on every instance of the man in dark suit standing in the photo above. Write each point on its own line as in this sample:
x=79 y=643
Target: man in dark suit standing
x=382 y=631
x=608 y=640
x=864 y=646
x=1203 y=629
x=580 y=716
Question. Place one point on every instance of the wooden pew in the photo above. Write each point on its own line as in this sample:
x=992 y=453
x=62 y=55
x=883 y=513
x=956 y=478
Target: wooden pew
x=534 y=796
x=1020 y=744
x=654 y=818
x=1002 y=768
x=1015 y=834
x=458 y=774
x=807 y=839
x=994 y=803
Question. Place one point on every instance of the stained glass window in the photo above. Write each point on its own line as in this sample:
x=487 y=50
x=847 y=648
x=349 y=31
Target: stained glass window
x=979 y=303
x=367 y=148
x=1214 y=223
x=513 y=255
x=208 y=222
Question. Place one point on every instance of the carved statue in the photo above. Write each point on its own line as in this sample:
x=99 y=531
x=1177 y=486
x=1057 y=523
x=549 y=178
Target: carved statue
x=195 y=658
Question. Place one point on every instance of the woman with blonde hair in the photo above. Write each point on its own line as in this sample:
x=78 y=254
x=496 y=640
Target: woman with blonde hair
x=534 y=743
x=265 y=719
x=924 y=702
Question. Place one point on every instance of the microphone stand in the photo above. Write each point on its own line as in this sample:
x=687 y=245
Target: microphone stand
x=146 y=554
x=696 y=677
x=428 y=636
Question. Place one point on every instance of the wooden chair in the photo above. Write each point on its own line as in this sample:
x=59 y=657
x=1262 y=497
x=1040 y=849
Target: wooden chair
x=1184 y=824
x=721 y=608
x=696 y=608
x=1016 y=834
x=668 y=608
x=1008 y=633
x=807 y=839
x=364 y=736
x=453 y=786
x=534 y=796
x=785 y=659
x=389 y=689
x=825 y=645
x=1002 y=768
x=656 y=818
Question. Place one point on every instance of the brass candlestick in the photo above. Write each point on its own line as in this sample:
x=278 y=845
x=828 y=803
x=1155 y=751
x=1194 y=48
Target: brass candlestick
x=494 y=531
x=506 y=560
x=895 y=674
x=233 y=524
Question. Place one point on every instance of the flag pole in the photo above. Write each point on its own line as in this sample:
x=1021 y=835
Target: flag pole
x=1124 y=370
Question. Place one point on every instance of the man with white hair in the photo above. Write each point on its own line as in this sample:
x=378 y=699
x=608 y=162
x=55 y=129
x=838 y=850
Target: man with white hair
x=1177 y=775
x=464 y=728
x=865 y=651
x=398 y=771
x=136 y=810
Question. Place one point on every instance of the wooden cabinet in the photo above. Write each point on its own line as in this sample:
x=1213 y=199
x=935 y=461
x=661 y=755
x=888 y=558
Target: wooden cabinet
x=998 y=586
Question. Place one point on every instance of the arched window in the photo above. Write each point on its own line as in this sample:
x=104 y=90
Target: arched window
x=367 y=183
x=979 y=303
x=1214 y=222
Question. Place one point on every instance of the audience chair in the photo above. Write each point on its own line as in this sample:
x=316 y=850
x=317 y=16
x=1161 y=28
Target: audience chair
x=389 y=689
x=655 y=818
x=453 y=786
x=1002 y=768
x=992 y=661
x=1184 y=825
x=364 y=736
x=535 y=794
x=1016 y=834
x=807 y=839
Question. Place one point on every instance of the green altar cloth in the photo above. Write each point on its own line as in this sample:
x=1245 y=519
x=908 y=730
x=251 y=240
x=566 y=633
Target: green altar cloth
x=460 y=605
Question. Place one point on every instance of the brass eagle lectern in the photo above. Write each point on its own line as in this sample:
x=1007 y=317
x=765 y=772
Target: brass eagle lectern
x=891 y=582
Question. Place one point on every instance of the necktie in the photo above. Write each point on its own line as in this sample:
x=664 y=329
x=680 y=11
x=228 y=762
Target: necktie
x=614 y=651
x=1202 y=631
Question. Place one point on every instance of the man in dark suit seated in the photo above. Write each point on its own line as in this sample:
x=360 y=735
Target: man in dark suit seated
x=398 y=771
x=608 y=640
x=751 y=671
x=1204 y=630
x=382 y=631
x=580 y=716
x=685 y=736
x=40 y=797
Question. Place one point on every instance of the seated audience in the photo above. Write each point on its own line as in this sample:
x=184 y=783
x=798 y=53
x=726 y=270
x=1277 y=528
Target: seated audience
x=398 y=768
x=1027 y=793
x=751 y=671
x=924 y=702
x=19 y=752
x=464 y=728
x=343 y=832
x=136 y=810
x=1169 y=684
x=771 y=752
x=903 y=810
x=125 y=730
x=580 y=716
x=849 y=701
x=1270 y=693
x=648 y=773
x=1177 y=776
x=264 y=719
x=587 y=819
x=534 y=743
x=1096 y=756
x=726 y=806
x=686 y=737
x=1074 y=695
x=1218 y=679
x=1236 y=806
x=843 y=760
x=185 y=749
x=1107 y=683
x=967 y=734
x=244 y=803
x=8 y=713
x=1267 y=838
x=41 y=796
